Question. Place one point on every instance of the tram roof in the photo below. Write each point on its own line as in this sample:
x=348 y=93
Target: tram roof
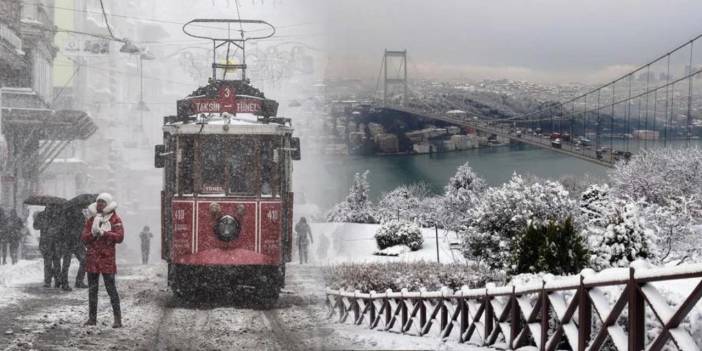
x=241 y=124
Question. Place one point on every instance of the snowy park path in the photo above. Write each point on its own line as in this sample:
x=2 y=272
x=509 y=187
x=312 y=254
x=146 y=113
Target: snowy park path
x=48 y=319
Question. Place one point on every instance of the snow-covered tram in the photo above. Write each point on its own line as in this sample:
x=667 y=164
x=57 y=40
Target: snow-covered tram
x=227 y=197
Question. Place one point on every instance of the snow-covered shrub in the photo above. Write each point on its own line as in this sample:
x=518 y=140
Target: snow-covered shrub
x=554 y=248
x=400 y=275
x=399 y=232
x=673 y=230
x=461 y=195
x=617 y=235
x=357 y=207
x=503 y=215
x=404 y=202
x=659 y=175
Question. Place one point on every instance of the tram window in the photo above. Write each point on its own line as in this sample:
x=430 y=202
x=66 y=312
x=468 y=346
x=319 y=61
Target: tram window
x=242 y=163
x=212 y=170
x=269 y=186
x=185 y=159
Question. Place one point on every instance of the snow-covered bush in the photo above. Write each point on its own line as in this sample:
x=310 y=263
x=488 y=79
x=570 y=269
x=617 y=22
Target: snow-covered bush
x=659 y=175
x=404 y=202
x=399 y=232
x=400 y=275
x=503 y=215
x=461 y=195
x=617 y=234
x=554 y=248
x=357 y=207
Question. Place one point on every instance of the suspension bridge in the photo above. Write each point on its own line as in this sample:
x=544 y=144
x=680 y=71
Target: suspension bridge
x=653 y=105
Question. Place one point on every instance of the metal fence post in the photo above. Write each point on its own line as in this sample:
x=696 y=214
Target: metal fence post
x=489 y=317
x=544 y=317
x=637 y=315
x=584 y=316
x=463 y=305
x=513 y=319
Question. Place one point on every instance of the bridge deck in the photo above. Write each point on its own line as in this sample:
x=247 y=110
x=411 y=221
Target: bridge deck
x=568 y=148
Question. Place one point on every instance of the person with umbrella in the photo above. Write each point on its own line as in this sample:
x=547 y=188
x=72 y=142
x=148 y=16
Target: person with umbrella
x=48 y=223
x=102 y=231
x=72 y=246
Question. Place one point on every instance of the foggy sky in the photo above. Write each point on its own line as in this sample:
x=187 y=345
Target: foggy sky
x=578 y=40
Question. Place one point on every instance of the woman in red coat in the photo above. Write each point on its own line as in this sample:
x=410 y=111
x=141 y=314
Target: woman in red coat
x=102 y=231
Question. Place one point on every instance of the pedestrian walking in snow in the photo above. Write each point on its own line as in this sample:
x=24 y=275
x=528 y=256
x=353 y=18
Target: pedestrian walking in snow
x=145 y=237
x=71 y=245
x=303 y=233
x=4 y=241
x=102 y=231
x=13 y=230
x=48 y=223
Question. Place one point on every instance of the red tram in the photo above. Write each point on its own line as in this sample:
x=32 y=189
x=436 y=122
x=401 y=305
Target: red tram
x=226 y=204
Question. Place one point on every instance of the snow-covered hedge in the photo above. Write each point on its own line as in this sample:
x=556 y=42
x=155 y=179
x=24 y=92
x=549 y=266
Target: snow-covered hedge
x=399 y=232
x=404 y=202
x=400 y=275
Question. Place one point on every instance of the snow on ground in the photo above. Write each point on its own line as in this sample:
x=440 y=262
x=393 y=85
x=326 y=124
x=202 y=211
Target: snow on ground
x=15 y=275
x=351 y=242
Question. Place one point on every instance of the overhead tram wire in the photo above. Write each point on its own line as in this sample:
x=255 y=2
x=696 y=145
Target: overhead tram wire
x=107 y=23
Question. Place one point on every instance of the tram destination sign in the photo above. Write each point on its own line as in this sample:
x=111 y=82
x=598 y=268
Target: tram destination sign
x=226 y=101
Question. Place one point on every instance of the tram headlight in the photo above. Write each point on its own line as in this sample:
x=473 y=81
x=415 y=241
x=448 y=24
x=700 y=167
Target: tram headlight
x=227 y=228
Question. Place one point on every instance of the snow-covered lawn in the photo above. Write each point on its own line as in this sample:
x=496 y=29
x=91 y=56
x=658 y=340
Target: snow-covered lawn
x=355 y=243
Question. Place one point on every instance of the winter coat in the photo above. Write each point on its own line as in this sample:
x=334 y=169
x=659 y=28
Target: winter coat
x=13 y=229
x=303 y=232
x=145 y=237
x=49 y=224
x=100 y=251
x=73 y=228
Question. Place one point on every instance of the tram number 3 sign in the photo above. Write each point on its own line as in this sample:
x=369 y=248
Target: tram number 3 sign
x=226 y=101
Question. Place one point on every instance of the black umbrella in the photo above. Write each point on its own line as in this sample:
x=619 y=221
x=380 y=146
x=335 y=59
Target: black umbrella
x=44 y=200
x=81 y=201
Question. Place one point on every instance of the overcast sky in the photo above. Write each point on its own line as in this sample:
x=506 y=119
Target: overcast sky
x=542 y=40
x=534 y=39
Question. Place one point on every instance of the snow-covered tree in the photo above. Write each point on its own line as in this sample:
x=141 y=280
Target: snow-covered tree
x=503 y=215
x=673 y=230
x=461 y=195
x=357 y=207
x=404 y=202
x=617 y=233
x=660 y=175
x=555 y=248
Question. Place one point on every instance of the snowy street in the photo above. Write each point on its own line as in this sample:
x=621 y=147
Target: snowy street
x=33 y=317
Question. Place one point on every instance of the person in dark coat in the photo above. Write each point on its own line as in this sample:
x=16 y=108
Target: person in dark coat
x=71 y=245
x=13 y=230
x=303 y=233
x=145 y=237
x=48 y=223
x=102 y=231
x=4 y=241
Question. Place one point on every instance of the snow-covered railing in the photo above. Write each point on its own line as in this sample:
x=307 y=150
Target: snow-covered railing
x=556 y=314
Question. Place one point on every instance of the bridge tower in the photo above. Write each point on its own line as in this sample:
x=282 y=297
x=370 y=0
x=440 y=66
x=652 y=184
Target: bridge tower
x=395 y=81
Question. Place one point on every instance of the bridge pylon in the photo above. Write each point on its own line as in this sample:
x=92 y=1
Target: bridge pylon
x=394 y=81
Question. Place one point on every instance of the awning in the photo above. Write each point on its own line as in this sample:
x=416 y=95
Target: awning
x=23 y=109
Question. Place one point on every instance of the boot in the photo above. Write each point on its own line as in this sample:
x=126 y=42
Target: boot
x=118 y=320
x=91 y=321
x=65 y=287
x=81 y=285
